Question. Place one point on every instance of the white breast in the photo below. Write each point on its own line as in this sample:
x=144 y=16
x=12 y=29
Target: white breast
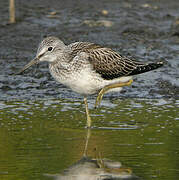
x=85 y=81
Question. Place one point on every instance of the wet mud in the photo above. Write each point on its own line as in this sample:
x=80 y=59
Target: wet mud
x=140 y=29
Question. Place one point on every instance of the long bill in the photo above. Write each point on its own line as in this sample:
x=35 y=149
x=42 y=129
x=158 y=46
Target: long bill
x=32 y=62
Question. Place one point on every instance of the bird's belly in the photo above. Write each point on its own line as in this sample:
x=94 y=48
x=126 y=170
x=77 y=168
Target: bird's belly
x=87 y=85
x=85 y=88
x=83 y=82
x=86 y=82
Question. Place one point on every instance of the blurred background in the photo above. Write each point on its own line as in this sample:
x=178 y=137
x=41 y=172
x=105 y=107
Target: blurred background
x=42 y=122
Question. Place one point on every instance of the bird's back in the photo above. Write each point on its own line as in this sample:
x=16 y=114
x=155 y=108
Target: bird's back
x=108 y=63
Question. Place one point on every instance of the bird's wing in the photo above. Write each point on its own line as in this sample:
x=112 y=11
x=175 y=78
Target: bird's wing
x=108 y=63
x=78 y=47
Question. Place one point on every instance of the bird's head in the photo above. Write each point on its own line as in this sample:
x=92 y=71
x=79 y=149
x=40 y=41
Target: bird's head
x=48 y=50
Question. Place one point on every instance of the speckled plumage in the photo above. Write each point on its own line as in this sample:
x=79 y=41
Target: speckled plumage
x=88 y=68
x=85 y=67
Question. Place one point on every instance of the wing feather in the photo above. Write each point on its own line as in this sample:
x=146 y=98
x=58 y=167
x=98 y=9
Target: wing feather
x=108 y=63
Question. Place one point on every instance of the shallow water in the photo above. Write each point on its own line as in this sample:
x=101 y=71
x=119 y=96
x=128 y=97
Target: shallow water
x=47 y=136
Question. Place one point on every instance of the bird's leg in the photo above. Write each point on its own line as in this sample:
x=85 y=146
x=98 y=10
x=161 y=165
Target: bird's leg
x=107 y=88
x=87 y=113
x=87 y=142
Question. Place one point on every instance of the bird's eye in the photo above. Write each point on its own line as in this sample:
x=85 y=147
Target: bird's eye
x=50 y=48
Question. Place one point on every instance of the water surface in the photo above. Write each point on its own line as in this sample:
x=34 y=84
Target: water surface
x=47 y=136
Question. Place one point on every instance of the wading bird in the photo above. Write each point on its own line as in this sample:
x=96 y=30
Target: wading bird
x=88 y=68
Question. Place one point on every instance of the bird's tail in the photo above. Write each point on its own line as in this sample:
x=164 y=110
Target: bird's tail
x=142 y=68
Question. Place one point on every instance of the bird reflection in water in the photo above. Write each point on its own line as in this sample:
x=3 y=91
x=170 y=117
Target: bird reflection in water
x=96 y=168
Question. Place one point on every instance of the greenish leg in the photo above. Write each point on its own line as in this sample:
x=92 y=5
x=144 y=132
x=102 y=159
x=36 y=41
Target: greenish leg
x=87 y=113
x=107 y=88
x=87 y=142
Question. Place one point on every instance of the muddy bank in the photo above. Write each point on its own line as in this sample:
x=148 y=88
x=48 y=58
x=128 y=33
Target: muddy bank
x=144 y=30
